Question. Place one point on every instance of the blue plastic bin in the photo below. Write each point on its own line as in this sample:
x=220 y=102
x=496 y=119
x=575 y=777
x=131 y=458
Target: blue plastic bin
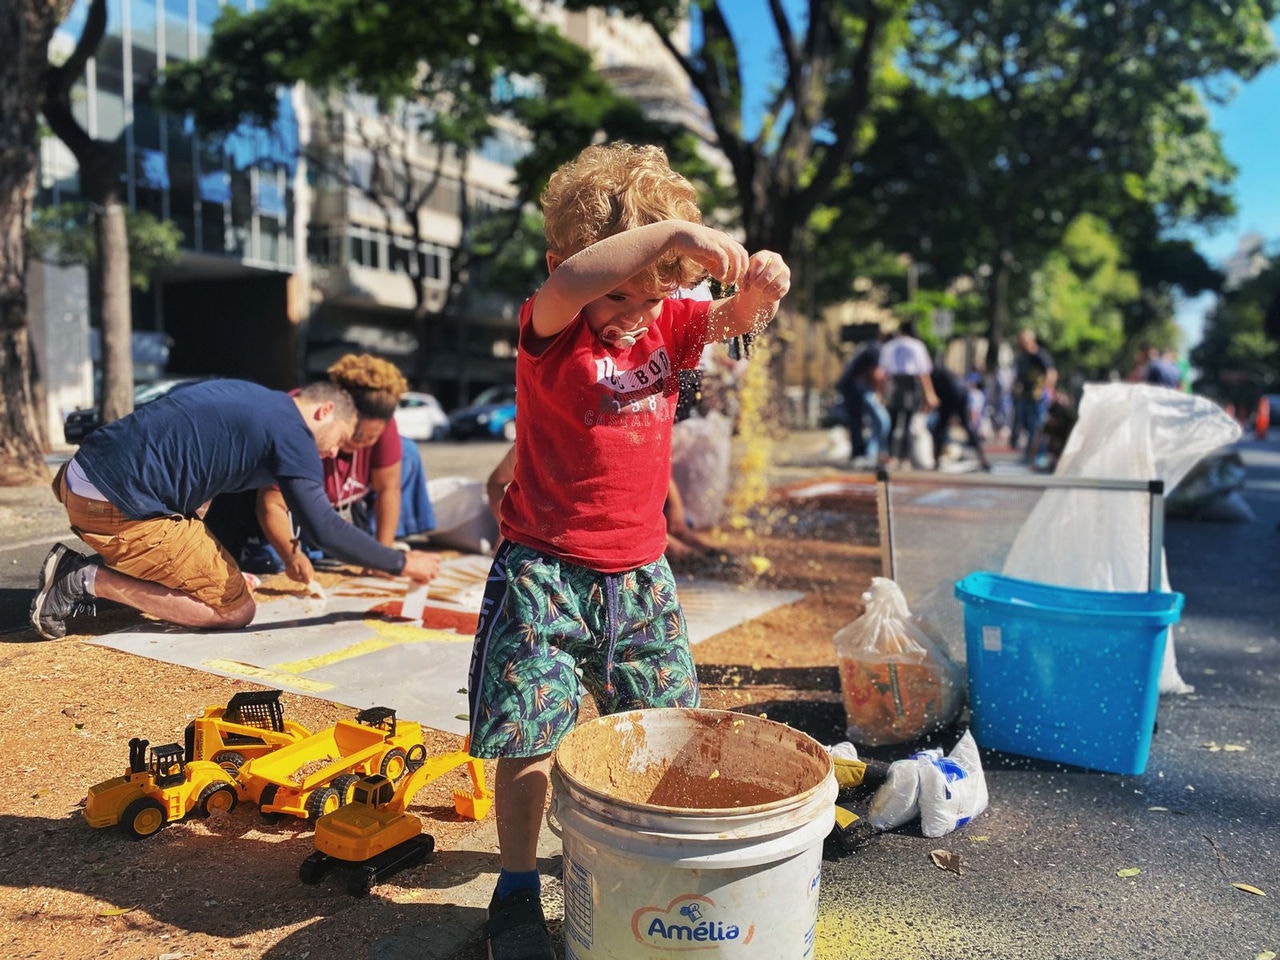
x=1064 y=674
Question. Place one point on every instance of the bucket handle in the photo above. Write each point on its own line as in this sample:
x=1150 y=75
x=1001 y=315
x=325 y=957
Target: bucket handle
x=553 y=816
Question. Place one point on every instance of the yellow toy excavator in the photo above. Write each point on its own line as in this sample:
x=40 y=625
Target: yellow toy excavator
x=373 y=835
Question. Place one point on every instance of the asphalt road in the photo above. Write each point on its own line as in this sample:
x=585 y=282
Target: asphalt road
x=1039 y=869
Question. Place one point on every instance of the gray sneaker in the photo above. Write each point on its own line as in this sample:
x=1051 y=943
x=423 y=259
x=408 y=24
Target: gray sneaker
x=60 y=593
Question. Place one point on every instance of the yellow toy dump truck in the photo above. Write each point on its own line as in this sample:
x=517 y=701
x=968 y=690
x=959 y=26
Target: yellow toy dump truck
x=314 y=776
x=251 y=725
x=159 y=789
x=373 y=835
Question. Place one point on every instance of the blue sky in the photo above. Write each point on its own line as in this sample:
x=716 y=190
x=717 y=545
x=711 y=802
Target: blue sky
x=1249 y=125
x=1250 y=129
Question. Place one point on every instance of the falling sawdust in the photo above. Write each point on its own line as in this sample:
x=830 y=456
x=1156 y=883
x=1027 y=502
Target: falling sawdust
x=750 y=481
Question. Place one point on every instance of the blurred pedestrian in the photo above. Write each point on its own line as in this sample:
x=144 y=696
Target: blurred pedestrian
x=953 y=406
x=866 y=418
x=1035 y=380
x=905 y=364
x=1160 y=370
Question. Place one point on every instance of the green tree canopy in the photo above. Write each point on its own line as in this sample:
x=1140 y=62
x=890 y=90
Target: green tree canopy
x=1236 y=358
x=1047 y=110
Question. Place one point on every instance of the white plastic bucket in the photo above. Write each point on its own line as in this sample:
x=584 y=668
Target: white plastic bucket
x=691 y=832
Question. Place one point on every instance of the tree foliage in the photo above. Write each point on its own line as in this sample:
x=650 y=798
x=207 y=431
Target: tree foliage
x=441 y=81
x=835 y=60
x=65 y=235
x=1237 y=359
x=1048 y=110
x=1078 y=298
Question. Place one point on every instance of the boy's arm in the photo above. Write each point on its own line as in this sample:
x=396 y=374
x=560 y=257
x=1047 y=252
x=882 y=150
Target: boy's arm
x=605 y=265
x=765 y=283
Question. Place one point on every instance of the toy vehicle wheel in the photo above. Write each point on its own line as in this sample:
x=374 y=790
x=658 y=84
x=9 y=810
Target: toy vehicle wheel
x=229 y=760
x=142 y=818
x=415 y=757
x=343 y=785
x=321 y=801
x=394 y=764
x=217 y=798
x=265 y=799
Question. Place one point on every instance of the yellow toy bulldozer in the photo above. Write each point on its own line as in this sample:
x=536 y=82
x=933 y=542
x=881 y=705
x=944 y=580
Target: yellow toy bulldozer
x=374 y=836
x=159 y=789
x=251 y=725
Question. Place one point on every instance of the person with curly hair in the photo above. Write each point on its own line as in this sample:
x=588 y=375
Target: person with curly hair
x=601 y=345
x=364 y=478
x=138 y=492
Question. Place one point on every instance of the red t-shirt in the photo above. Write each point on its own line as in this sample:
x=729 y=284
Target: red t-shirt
x=348 y=476
x=593 y=439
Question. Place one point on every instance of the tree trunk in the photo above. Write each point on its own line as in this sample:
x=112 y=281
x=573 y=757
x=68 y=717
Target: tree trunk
x=117 y=322
x=101 y=174
x=22 y=436
x=25 y=29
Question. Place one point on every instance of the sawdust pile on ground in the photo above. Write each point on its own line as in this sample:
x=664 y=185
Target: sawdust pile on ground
x=228 y=886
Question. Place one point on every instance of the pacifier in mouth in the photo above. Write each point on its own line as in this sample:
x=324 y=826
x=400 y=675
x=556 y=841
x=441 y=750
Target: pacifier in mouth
x=615 y=336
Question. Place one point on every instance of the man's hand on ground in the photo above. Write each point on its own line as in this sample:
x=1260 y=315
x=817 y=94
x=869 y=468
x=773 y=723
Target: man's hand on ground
x=298 y=568
x=421 y=566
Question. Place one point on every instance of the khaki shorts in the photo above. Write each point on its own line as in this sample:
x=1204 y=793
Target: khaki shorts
x=175 y=552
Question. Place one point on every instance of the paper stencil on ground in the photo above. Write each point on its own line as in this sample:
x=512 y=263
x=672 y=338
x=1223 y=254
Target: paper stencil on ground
x=351 y=649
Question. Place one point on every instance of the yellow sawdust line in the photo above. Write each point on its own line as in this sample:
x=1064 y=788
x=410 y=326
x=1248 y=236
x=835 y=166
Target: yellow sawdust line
x=267 y=676
x=386 y=635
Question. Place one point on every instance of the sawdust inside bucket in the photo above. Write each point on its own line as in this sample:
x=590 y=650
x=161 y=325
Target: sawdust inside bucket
x=691 y=828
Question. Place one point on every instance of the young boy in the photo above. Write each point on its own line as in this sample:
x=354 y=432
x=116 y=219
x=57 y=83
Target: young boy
x=579 y=594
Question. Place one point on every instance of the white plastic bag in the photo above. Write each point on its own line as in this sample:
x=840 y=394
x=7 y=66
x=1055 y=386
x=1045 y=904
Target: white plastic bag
x=897 y=800
x=701 y=450
x=923 y=456
x=897 y=679
x=463 y=518
x=1095 y=539
x=953 y=789
x=945 y=792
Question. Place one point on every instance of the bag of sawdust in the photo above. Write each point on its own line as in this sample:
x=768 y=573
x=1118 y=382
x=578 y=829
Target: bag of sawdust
x=896 y=678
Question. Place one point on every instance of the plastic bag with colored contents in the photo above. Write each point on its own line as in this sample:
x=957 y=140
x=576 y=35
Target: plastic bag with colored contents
x=896 y=678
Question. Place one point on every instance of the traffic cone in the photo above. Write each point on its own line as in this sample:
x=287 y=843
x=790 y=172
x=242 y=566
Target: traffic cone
x=1262 y=421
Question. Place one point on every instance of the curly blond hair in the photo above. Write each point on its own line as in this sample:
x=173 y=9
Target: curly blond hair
x=374 y=384
x=613 y=187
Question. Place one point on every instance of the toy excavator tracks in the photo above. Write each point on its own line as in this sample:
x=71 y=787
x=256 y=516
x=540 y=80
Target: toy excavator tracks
x=373 y=835
x=361 y=877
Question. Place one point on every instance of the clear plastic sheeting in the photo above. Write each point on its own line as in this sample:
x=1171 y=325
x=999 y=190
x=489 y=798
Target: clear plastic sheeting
x=937 y=529
x=1079 y=538
x=1126 y=431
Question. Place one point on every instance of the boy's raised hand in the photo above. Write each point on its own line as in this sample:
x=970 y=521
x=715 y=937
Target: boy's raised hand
x=763 y=284
x=722 y=256
x=767 y=277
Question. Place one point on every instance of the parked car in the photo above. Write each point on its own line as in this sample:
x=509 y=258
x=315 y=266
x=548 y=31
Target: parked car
x=82 y=422
x=492 y=415
x=420 y=417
